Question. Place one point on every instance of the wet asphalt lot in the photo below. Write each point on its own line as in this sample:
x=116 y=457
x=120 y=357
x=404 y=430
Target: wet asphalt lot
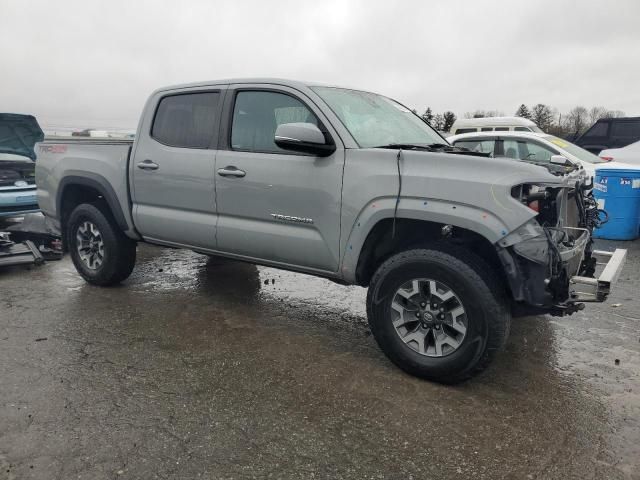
x=204 y=368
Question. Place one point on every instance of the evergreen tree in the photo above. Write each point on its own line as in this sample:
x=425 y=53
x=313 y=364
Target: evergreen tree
x=449 y=118
x=523 y=112
x=427 y=116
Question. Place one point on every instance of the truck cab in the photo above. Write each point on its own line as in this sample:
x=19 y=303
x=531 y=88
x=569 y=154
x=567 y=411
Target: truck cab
x=610 y=133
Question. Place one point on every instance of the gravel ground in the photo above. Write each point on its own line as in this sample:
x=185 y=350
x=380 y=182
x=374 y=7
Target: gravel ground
x=204 y=368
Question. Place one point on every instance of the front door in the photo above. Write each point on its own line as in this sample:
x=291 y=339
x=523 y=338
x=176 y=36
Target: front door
x=173 y=186
x=276 y=205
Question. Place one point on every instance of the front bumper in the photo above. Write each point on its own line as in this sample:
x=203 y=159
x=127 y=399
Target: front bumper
x=549 y=273
x=586 y=289
x=17 y=201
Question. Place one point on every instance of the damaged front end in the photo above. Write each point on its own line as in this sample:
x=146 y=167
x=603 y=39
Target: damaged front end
x=550 y=261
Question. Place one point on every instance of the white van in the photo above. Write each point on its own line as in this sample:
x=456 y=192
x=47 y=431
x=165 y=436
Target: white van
x=493 y=124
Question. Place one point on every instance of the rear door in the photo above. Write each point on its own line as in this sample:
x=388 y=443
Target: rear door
x=172 y=168
x=276 y=205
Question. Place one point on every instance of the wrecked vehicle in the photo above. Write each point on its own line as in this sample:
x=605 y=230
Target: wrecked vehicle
x=18 y=134
x=342 y=184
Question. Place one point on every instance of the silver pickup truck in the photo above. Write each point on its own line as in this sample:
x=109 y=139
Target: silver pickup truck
x=342 y=184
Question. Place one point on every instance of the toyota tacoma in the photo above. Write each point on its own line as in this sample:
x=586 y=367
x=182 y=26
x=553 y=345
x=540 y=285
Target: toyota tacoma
x=342 y=184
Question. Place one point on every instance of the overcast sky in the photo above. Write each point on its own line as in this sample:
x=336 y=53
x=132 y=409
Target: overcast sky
x=93 y=63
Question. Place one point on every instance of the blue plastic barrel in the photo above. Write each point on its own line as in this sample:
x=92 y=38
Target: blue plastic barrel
x=618 y=193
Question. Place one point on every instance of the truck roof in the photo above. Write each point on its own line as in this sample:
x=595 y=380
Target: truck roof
x=298 y=84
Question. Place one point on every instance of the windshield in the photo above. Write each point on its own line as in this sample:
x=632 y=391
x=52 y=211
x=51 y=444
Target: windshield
x=574 y=150
x=374 y=120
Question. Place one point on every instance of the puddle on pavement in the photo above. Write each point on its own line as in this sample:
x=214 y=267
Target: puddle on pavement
x=581 y=349
x=229 y=280
x=212 y=330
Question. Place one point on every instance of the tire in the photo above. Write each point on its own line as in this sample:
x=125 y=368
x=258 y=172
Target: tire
x=112 y=255
x=475 y=287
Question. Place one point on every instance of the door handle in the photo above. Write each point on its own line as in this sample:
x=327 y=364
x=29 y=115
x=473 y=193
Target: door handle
x=148 y=165
x=231 y=171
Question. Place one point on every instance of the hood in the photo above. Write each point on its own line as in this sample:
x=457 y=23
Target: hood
x=19 y=134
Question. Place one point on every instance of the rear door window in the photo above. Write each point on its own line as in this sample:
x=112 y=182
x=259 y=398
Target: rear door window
x=508 y=148
x=186 y=120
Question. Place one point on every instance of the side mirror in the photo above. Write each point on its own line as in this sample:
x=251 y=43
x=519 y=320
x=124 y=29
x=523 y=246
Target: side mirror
x=560 y=160
x=563 y=164
x=304 y=138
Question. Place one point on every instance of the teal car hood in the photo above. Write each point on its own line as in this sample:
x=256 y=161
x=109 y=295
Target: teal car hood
x=19 y=134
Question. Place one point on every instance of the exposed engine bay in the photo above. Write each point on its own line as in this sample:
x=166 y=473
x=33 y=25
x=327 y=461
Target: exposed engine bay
x=556 y=245
x=17 y=171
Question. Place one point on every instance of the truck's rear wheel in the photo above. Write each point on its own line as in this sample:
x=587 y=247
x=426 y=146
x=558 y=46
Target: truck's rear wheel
x=101 y=252
x=438 y=313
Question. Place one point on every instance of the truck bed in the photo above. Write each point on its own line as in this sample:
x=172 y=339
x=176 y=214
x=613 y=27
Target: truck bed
x=101 y=163
x=87 y=140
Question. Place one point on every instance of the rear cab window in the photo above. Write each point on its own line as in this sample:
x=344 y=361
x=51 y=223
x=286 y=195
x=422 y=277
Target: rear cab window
x=187 y=120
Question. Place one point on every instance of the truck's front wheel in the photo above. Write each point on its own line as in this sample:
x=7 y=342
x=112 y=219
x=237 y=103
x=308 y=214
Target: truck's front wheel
x=101 y=252
x=438 y=313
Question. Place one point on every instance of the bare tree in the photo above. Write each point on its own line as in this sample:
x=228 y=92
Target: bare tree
x=483 y=114
x=596 y=113
x=577 y=120
x=615 y=114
